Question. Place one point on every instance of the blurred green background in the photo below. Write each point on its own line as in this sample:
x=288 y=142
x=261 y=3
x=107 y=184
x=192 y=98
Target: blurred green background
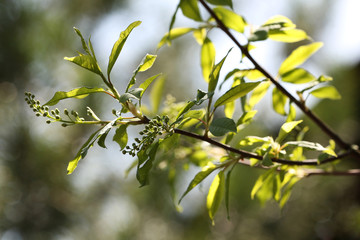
x=39 y=201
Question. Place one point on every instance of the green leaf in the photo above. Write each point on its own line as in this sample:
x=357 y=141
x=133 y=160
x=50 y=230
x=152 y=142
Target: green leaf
x=215 y=73
x=288 y=35
x=200 y=35
x=85 y=61
x=221 y=126
x=261 y=180
x=267 y=160
x=199 y=177
x=145 y=64
x=119 y=44
x=207 y=58
x=156 y=94
x=258 y=35
x=196 y=114
x=147 y=83
x=246 y=117
x=278 y=22
x=326 y=92
x=285 y=129
x=279 y=101
x=221 y=2
x=258 y=93
x=235 y=93
x=229 y=109
x=230 y=19
x=227 y=190
x=145 y=163
x=173 y=34
x=299 y=56
x=85 y=47
x=102 y=137
x=121 y=136
x=292 y=113
x=75 y=93
x=312 y=146
x=216 y=194
x=190 y=9
x=297 y=76
x=82 y=152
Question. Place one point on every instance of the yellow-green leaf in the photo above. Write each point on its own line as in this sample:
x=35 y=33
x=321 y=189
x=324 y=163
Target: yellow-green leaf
x=279 y=101
x=190 y=9
x=230 y=19
x=121 y=136
x=288 y=35
x=297 y=76
x=258 y=93
x=207 y=58
x=119 y=44
x=299 y=56
x=285 y=129
x=221 y=2
x=85 y=61
x=216 y=194
x=174 y=33
x=326 y=92
x=75 y=93
x=156 y=94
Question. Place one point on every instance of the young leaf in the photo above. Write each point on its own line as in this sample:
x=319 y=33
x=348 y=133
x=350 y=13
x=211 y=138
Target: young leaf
x=174 y=33
x=299 y=56
x=101 y=141
x=147 y=83
x=85 y=47
x=145 y=64
x=221 y=2
x=207 y=58
x=221 y=126
x=145 y=163
x=286 y=128
x=215 y=73
x=288 y=35
x=267 y=160
x=190 y=9
x=216 y=194
x=199 y=177
x=235 y=93
x=326 y=92
x=297 y=76
x=261 y=180
x=311 y=146
x=246 y=117
x=230 y=19
x=75 y=93
x=119 y=44
x=258 y=93
x=227 y=190
x=121 y=136
x=200 y=35
x=292 y=113
x=85 y=61
x=279 y=101
x=82 y=152
x=156 y=94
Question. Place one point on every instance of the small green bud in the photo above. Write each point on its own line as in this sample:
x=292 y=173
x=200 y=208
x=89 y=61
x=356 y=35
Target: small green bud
x=64 y=125
x=48 y=121
x=57 y=117
x=66 y=112
x=45 y=114
x=46 y=108
x=113 y=111
x=53 y=112
x=124 y=152
x=57 y=111
x=38 y=114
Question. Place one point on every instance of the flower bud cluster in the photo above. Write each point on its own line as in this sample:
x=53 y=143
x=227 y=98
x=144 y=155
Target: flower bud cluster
x=154 y=129
x=52 y=115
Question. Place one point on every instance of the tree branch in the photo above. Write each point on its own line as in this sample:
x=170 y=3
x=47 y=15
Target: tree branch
x=246 y=154
x=298 y=103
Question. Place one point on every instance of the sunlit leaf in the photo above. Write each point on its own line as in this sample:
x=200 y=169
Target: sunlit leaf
x=287 y=191
x=157 y=93
x=285 y=129
x=82 y=152
x=207 y=58
x=83 y=43
x=174 y=33
x=292 y=113
x=299 y=56
x=261 y=180
x=230 y=19
x=216 y=194
x=227 y=190
x=190 y=9
x=246 y=117
x=258 y=35
x=199 y=177
x=288 y=35
x=279 y=22
x=229 y=109
x=200 y=35
x=297 y=76
x=121 y=136
x=221 y=2
x=119 y=44
x=326 y=92
x=221 y=126
x=258 y=93
x=75 y=93
x=215 y=73
x=85 y=61
x=147 y=83
x=312 y=146
x=235 y=93
x=145 y=64
x=279 y=101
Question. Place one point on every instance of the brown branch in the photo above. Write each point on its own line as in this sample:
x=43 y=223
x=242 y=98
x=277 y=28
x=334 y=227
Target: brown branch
x=246 y=154
x=325 y=128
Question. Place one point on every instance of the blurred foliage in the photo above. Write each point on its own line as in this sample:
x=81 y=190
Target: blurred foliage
x=39 y=201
